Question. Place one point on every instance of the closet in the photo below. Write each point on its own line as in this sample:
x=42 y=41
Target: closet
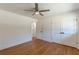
x=60 y=29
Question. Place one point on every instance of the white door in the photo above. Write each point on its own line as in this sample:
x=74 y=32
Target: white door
x=56 y=28
x=44 y=29
x=64 y=30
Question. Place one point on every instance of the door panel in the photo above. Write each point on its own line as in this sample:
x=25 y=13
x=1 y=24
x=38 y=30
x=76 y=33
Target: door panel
x=64 y=30
x=43 y=29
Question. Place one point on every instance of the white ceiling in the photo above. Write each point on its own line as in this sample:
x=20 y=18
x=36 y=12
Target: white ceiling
x=55 y=8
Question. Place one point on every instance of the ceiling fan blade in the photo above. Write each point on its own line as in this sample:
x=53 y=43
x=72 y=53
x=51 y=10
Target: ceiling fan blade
x=44 y=10
x=41 y=14
x=33 y=13
x=36 y=6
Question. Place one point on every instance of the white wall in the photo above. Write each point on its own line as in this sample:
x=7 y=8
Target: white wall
x=51 y=26
x=14 y=29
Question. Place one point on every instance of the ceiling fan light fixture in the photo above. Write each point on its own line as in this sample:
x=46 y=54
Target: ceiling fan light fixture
x=37 y=12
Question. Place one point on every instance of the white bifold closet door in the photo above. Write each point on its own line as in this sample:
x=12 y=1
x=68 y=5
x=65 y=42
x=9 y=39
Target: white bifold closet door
x=59 y=29
x=64 y=30
x=44 y=29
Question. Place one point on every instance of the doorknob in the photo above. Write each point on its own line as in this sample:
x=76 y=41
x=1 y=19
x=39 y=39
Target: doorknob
x=61 y=32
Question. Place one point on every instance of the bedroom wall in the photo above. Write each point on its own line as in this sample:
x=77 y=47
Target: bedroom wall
x=14 y=29
x=49 y=29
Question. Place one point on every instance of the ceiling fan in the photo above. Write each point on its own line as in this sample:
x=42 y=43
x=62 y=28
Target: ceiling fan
x=36 y=10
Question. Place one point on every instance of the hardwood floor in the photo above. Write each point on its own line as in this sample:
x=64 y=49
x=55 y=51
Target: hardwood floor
x=40 y=47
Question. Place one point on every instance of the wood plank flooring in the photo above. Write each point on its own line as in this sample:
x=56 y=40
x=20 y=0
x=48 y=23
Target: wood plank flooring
x=40 y=47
